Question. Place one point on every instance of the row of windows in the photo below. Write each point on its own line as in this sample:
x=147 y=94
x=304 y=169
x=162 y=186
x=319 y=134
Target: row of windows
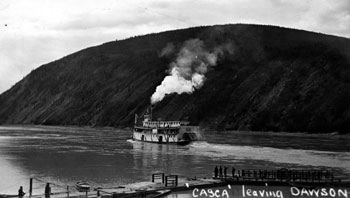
x=162 y=124
x=158 y=131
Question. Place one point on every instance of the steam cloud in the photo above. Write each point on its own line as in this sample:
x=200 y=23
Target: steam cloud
x=187 y=72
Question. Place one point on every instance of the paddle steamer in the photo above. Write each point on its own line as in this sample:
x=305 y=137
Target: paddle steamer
x=164 y=132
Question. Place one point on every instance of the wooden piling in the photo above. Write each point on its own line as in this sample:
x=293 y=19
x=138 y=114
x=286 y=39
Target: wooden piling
x=30 y=187
x=157 y=176
x=68 y=191
x=171 y=180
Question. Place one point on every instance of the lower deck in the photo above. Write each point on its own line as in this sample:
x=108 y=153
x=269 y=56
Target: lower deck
x=166 y=135
x=155 y=137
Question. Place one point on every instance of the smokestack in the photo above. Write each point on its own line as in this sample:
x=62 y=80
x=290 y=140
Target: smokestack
x=151 y=112
x=136 y=118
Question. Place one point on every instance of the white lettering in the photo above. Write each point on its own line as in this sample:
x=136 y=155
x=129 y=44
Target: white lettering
x=332 y=192
x=262 y=192
x=211 y=193
x=193 y=192
x=248 y=192
x=217 y=193
x=313 y=191
x=203 y=192
x=272 y=194
x=279 y=194
x=294 y=191
x=225 y=193
x=324 y=192
x=344 y=192
x=243 y=191
x=304 y=191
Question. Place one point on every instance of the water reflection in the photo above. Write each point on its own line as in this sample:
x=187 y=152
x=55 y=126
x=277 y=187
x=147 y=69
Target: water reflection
x=161 y=157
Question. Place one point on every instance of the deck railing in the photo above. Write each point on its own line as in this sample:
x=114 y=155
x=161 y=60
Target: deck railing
x=286 y=175
x=164 y=124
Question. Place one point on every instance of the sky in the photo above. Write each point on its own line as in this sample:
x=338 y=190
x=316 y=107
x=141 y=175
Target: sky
x=36 y=32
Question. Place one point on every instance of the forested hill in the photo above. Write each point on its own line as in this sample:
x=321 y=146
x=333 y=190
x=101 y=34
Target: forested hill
x=271 y=79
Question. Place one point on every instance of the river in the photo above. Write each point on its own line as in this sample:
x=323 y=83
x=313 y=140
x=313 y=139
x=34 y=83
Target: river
x=106 y=157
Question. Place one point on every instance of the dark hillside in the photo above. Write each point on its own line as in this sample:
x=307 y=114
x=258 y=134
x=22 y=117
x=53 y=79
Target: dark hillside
x=277 y=79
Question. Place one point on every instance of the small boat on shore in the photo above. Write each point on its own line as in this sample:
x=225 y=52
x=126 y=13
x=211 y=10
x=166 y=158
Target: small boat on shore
x=82 y=186
x=164 y=132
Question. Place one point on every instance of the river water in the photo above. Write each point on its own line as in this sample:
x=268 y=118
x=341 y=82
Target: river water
x=107 y=157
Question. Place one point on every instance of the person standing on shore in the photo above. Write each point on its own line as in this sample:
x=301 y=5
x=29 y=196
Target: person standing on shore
x=20 y=192
x=233 y=172
x=216 y=171
x=225 y=172
x=220 y=171
x=47 y=190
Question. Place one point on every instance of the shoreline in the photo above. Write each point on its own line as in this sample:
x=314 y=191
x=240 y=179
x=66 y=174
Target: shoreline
x=110 y=128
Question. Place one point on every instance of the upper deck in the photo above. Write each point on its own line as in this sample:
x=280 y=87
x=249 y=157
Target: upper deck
x=164 y=124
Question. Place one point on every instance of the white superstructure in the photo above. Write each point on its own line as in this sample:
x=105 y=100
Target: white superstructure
x=164 y=131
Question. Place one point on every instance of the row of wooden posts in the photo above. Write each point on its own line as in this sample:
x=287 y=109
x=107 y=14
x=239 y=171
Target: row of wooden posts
x=288 y=175
x=48 y=190
x=284 y=175
x=168 y=180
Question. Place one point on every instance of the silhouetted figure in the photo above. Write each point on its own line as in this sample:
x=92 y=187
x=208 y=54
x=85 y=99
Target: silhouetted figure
x=220 y=171
x=216 y=170
x=225 y=171
x=47 y=190
x=313 y=176
x=20 y=192
x=233 y=172
x=319 y=175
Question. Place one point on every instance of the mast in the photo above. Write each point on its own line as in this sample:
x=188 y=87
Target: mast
x=147 y=116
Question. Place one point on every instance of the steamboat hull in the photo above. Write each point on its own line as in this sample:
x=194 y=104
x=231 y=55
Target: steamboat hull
x=167 y=135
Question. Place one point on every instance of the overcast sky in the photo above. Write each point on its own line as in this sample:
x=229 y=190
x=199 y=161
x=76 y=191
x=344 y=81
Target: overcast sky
x=36 y=32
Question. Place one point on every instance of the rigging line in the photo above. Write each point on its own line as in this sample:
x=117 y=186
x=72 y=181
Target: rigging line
x=39 y=180
x=62 y=186
x=38 y=187
x=57 y=184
